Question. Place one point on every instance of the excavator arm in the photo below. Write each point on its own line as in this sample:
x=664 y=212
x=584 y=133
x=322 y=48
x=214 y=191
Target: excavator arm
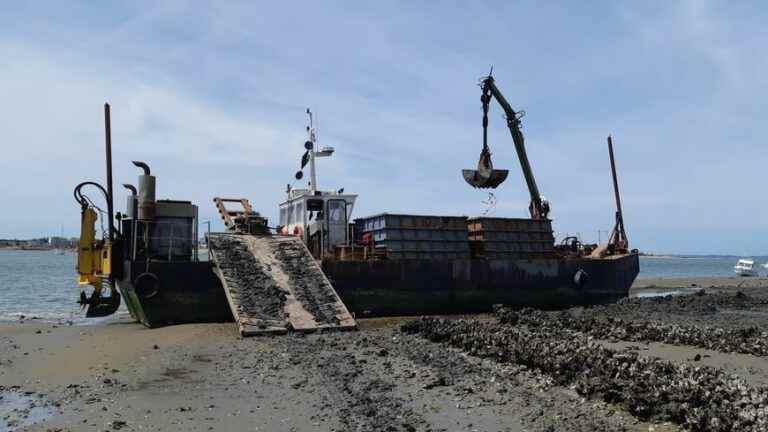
x=94 y=256
x=94 y=261
x=487 y=177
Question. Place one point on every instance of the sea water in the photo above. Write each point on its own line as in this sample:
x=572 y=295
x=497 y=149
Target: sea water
x=694 y=266
x=40 y=285
x=43 y=284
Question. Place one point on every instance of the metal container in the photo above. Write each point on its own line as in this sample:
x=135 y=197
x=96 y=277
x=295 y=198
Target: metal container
x=494 y=238
x=146 y=197
x=388 y=220
x=418 y=237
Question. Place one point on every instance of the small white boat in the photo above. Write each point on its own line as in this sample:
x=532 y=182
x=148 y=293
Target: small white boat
x=745 y=267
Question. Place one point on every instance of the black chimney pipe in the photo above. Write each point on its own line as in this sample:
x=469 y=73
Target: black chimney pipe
x=142 y=165
x=130 y=187
x=110 y=196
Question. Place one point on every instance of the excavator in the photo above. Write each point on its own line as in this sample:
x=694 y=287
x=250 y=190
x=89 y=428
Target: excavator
x=485 y=176
x=94 y=255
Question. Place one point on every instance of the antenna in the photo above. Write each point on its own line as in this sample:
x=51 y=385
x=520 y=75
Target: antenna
x=312 y=139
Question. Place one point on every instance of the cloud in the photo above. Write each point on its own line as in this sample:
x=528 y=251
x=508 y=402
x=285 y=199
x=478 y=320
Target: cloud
x=213 y=98
x=53 y=130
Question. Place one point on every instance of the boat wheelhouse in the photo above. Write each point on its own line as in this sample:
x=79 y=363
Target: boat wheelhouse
x=320 y=218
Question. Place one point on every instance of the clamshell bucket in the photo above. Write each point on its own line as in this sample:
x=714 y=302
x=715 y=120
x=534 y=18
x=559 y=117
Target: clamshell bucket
x=99 y=306
x=485 y=176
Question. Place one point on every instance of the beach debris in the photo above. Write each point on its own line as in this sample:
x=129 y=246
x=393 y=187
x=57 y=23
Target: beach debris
x=118 y=424
x=697 y=398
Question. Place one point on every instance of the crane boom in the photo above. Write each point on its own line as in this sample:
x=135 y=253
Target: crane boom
x=486 y=176
x=513 y=123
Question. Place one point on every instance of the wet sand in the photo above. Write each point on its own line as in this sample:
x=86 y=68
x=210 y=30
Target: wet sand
x=199 y=377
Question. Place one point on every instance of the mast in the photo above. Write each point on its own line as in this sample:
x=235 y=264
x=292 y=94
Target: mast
x=312 y=139
x=618 y=235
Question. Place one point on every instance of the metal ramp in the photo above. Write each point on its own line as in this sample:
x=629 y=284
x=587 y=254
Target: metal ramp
x=273 y=285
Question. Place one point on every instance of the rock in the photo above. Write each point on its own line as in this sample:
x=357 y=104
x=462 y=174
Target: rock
x=118 y=424
x=439 y=382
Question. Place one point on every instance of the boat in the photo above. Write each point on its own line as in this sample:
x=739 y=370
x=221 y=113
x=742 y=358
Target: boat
x=378 y=265
x=394 y=264
x=745 y=267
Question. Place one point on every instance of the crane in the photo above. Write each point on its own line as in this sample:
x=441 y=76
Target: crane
x=485 y=176
x=95 y=257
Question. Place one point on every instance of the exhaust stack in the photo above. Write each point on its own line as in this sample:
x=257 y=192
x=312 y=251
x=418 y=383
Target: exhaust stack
x=146 y=197
x=130 y=205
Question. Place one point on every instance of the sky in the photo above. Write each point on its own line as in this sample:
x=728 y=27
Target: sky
x=212 y=95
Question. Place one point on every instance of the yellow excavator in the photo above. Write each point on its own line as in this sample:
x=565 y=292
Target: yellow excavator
x=95 y=256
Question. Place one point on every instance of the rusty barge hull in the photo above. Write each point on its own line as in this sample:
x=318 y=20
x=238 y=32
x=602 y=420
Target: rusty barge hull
x=186 y=292
x=417 y=287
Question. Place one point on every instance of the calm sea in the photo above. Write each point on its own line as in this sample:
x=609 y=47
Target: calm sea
x=43 y=284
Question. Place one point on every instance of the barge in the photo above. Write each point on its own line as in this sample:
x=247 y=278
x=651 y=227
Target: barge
x=381 y=265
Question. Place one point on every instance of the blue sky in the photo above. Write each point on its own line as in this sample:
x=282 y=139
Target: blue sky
x=212 y=96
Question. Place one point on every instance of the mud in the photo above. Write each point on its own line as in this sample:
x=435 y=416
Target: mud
x=203 y=377
x=471 y=373
x=19 y=408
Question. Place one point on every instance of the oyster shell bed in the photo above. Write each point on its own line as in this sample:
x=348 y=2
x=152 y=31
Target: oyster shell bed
x=725 y=309
x=697 y=398
x=744 y=340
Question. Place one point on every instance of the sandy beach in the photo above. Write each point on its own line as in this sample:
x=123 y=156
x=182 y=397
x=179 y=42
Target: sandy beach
x=199 y=377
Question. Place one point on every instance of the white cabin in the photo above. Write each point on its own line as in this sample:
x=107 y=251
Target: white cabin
x=320 y=218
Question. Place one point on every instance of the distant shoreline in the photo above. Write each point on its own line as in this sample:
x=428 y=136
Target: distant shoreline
x=21 y=248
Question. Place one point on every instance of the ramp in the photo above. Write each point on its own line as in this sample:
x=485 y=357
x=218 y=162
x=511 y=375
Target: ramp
x=273 y=285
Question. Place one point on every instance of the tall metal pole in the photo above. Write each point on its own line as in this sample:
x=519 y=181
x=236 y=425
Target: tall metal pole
x=619 y=236
x=613 y=172
x=110 y=201
x=312 y=174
